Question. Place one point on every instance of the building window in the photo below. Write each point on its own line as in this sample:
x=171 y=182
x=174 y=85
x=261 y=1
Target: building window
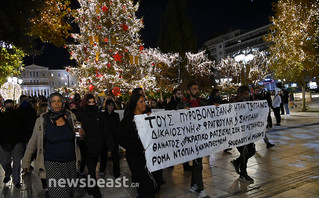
x=220 y=46
x=72 y=83
x=52 y=83
x=58 y=74
x=43 y=74
x=23 y=74
x=31 y=74
x=220 y=53
x=37 y=74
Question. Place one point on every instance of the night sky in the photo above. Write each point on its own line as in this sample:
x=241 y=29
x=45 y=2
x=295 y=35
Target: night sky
x=209 y=18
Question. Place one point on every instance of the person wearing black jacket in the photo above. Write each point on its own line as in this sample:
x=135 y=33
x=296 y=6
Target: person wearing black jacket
x=29 y=115
x=12 y=143
x=113 y=119
x=215 y=98
x=246 y=151
x=282 y=103
x=176 y=98
x=94 y=124
x=135 y=153
x=286 y=101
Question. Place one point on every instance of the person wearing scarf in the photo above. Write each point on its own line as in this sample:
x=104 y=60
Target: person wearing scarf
x=56 y=147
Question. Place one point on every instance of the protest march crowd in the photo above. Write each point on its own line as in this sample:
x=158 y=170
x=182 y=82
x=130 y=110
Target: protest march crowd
x=59 y=137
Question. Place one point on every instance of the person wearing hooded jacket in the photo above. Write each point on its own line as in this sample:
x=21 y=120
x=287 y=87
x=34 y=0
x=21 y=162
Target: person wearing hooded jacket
x=56 y=147
x=94 y=124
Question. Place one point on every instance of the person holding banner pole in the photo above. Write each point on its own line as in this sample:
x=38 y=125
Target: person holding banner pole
x=190 y=101
x=135 y=153
x=246 y=151
x=176 y=98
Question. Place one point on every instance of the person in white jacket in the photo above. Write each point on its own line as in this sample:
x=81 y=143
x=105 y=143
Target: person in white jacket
x=276 y=107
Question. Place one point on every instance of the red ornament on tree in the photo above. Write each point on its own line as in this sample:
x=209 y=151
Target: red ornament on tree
x=71 y=53
x=98 y=17
x=91 y=87
x=104 y=8
x=124 y=27
x=117 y=57
x=99 y=27
x=108 y=65
x=67 y=69
x=116 y=91
x=106 y=40
x=141 y=48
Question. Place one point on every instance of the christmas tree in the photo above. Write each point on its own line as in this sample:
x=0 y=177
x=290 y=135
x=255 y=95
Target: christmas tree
x=108 y=48
x=294 y=42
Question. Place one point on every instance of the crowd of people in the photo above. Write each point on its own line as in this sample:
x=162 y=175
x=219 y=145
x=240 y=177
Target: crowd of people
x=59 y=137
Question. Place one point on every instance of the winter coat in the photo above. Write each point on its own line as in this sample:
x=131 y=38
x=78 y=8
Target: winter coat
x=128 y=136
x=113 y=121
x=172 y=105
x=186 y=102
x=11 y=131
x=36 y=143
x=95 y=126
x=29 y=115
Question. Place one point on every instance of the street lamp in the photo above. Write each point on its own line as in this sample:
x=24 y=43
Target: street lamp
x=11 y=89
x=244 y=58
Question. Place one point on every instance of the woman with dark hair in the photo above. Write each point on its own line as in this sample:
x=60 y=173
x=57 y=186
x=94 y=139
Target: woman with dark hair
x=128 y=138
x=55 y=144
x=94 y=124
x=113 y=120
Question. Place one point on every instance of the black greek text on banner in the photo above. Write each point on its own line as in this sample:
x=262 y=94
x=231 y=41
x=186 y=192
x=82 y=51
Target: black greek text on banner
x=174 y=137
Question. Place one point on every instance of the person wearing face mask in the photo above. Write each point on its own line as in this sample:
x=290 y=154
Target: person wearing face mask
x=56 y=147
x=246 y=151
x=190 y=101
x=94 y=124
x=12 y=143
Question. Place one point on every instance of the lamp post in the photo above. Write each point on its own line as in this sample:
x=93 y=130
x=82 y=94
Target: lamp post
x=244 y=58
x=13 y=83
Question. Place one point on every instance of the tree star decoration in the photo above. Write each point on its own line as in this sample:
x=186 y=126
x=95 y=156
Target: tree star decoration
x=117 y=57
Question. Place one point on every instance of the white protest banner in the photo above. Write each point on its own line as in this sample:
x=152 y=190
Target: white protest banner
x=174 y=137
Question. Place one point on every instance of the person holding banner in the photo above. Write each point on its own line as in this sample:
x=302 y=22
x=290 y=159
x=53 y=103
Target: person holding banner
x=193 y=100
x=246 y=151
x=135 y=153
x=172 y=105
